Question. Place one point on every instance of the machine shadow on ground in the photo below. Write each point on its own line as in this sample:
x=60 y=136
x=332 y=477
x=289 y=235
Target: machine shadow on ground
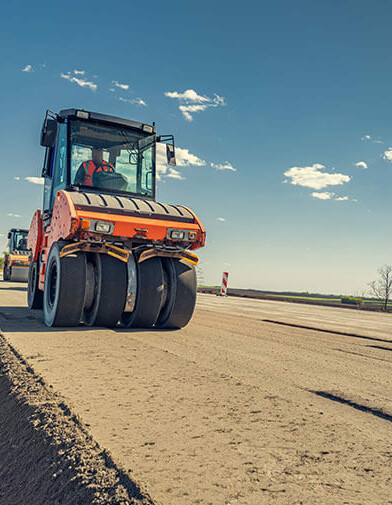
x=13 y=288
x=24 y=320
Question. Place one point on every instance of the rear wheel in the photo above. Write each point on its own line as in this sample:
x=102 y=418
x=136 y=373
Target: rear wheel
x=106 y=286
x=18 y=274
x=65 y=280
x=34 y=295
x=5 y=274
x=149 y=295
x=179 y=294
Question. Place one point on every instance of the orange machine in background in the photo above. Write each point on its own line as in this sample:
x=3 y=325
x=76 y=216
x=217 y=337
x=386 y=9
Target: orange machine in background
x=16 y=260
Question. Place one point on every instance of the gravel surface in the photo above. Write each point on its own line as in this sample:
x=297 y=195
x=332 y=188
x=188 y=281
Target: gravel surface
x=233 y=409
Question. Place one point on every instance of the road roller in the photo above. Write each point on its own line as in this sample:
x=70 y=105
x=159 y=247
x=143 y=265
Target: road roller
x=16 y=259
x=103 y=251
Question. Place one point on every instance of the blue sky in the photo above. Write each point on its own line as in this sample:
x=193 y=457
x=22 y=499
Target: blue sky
x=280 y=110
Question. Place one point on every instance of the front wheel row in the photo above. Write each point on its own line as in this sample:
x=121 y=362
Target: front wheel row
x=99 y=290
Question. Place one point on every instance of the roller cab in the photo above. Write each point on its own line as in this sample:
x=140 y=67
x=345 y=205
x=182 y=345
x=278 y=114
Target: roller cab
x=102 y=247
x=16 y=260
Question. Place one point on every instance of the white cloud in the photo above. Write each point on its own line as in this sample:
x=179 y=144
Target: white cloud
x=79 y=72
x=221 y=219
x=388 y=154
x=189 y=95
x=343 y=199
x=193 y=102
x=35 y=180
x=79 y=81
x=10 y=214
x=314 y=177
x=186 y=109
x=361 y=164
x=366 y=137
x=174 y=174
x=119 y=85
x=27 y=68
x=323 y=196
x=183 y=157
x=32 y=180
x=186 y=159
x=223 y=166
x=378 y=141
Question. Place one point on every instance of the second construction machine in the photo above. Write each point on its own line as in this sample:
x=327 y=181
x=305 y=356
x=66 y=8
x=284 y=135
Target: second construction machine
x=103 y=250
x=16 y=259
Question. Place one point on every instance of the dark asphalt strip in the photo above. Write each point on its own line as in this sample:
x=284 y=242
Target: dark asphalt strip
x=323 y=330
x=358 y=406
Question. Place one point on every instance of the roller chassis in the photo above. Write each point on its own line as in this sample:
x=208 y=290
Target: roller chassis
x=102 y=285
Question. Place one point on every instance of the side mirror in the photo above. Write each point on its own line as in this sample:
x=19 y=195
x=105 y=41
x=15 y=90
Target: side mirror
x=171 y=155
x=9 y=235
x=170 y=151
x=49 y=132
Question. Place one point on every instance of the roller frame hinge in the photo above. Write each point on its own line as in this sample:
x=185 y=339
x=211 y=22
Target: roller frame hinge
x=182 y=255
x=111 y=250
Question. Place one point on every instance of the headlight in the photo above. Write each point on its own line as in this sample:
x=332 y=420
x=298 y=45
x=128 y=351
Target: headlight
x=102 y=227
x=177 y=235
x=185 y=235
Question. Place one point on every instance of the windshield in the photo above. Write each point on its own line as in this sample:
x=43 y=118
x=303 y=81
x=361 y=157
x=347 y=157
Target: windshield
x=19 y=241
x=111 y=158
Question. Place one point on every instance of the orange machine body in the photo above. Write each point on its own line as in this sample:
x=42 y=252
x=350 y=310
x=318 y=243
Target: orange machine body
x=70 y=222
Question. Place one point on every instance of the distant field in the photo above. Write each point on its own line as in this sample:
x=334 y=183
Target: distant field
x=311 y=298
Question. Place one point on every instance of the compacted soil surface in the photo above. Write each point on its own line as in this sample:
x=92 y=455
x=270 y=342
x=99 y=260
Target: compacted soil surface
x=255 y=402
x=46 y=454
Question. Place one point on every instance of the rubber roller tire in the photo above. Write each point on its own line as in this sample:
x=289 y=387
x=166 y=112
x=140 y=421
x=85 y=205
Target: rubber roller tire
x=110 y=288
x=180 y=294
x=35 y=297
x=18 y=274
x=149 y=295
x=65 y=280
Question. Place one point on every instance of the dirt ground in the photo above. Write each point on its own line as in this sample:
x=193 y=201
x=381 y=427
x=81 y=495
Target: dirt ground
x=235 y=409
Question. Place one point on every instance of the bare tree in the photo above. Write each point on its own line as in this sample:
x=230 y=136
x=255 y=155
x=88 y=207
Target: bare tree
x=382 y=287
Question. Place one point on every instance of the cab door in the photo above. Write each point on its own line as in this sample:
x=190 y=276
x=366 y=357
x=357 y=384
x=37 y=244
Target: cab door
x=59 y=172
x=55 y=170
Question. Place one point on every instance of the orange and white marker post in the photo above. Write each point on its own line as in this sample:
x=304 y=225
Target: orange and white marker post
x=225 y=279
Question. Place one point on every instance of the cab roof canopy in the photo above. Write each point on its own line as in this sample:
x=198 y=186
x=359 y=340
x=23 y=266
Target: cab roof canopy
x=14 y=230
x=96 y=116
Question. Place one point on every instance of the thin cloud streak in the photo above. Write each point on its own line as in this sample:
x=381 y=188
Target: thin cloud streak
x=192 y=102
x=35 y=180
x=79 y=81
x=119 y=85
x=223 y=166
